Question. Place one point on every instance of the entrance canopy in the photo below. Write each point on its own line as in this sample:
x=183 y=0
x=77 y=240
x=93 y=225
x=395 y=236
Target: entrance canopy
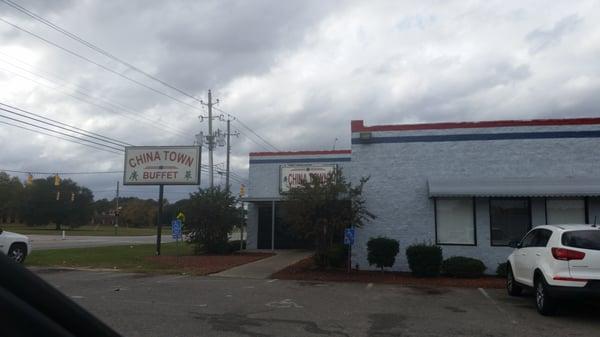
x=514 y=187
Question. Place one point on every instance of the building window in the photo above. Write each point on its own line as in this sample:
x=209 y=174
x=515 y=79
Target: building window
x=565 y=211
x=510 y=220
x=455 y=224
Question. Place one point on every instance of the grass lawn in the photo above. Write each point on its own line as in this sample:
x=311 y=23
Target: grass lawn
x=84 y=230
x=140 y=258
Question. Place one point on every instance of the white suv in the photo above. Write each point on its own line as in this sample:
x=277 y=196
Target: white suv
x=557 y=261
x=15 y=246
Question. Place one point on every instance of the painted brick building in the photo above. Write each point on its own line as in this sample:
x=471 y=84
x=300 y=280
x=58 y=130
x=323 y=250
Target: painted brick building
x=469 y=187
x=264 y=225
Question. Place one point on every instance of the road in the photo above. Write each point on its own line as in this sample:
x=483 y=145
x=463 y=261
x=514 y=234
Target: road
x=40 y=242
x=180 y=305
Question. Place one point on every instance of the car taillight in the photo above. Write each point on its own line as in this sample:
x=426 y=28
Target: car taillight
x=567 y=254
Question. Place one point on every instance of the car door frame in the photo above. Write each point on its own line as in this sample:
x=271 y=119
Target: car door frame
x=523 y=258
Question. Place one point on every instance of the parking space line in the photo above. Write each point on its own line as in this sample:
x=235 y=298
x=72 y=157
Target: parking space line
x=369 y=286
x=271 y=281
x=486 y=295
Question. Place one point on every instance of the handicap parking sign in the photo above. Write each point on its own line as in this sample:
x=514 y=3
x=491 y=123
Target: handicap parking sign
x=349 y=236
x=176 y=229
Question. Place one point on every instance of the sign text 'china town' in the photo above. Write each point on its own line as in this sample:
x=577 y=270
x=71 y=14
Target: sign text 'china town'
x=294 y=175
x=162 y=165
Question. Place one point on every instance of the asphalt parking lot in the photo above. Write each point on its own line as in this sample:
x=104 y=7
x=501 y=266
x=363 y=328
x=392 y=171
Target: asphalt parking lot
x=180 y=305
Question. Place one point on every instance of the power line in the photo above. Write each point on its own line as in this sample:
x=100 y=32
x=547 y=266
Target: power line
x=97 y=64
x=61 y=173
x=58 y=132
x=62 y=138
x=148 y=121
x=112 y=57
x=248 y=128
x=93 y=46
x=75 y=129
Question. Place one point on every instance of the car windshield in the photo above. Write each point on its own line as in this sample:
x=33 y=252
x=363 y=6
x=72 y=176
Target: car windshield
x=585 y=239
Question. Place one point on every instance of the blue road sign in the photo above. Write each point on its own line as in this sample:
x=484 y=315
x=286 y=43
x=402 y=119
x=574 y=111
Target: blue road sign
x=176 y=229
x=349 y=236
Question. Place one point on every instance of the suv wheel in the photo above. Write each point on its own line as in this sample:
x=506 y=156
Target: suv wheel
x=17 y=252
x=545 y=304
x=512 y=287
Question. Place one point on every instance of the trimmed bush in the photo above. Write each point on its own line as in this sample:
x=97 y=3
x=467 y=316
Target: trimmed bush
x=460 y=266
x=424 y=260
x=217 y=247
x=502 y=269
x=382 y=252
x=234 y=246
x=337 y=255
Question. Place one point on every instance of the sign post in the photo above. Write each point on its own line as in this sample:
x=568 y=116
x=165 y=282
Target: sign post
x=161 y=189
x=176 y=232
x=349 y=241
x=161 y=165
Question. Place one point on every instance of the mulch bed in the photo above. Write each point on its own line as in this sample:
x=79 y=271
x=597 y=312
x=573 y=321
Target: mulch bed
x=207 y=264
x=305 y=270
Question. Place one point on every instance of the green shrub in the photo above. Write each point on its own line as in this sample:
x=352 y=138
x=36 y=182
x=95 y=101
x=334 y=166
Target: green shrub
x=234 y=246
x=502 y=269
x=460 y=266
x=337 y=255
x=424 y=260
x=217 y=247
x=382 y=252
x=321 y=260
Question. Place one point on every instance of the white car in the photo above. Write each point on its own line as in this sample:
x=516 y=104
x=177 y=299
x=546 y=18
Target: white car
x=557 y=261
x=15 y=246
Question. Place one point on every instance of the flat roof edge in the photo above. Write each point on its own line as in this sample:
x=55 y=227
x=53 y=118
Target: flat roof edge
x=300 y=153
x=359 y=125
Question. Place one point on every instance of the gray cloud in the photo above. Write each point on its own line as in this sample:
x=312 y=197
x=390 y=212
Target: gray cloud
x=296 y=72
x=543 y=38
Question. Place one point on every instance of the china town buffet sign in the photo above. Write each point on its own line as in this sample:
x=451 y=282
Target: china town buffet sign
x=162 y=165
x=291 y=176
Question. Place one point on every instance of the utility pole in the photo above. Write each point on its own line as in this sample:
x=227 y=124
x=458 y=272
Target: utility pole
x=159 y=223
x=227 y=170
x=210 y=138
x=117 y=210
x=210 y=141
x=228 y=153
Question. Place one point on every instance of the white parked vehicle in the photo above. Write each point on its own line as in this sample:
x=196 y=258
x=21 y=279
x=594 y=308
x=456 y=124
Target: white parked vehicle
x=557 y=261
x=15 y=246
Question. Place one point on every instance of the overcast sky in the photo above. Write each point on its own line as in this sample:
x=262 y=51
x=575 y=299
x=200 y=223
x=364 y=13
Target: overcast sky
x=296 y=72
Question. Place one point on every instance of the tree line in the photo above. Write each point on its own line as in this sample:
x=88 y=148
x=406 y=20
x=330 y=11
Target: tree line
x=318 y=210
x=64 y=203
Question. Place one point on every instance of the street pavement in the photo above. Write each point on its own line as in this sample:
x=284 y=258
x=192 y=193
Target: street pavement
x=40 y=242
x=182 y=305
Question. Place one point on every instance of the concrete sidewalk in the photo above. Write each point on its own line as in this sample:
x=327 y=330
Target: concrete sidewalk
x=263 y=269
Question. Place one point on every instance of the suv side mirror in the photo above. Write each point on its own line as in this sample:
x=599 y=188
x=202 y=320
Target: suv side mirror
x=515 y=244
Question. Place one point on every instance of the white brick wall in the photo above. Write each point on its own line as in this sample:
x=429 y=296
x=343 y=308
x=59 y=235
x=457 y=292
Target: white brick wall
x=397 y=191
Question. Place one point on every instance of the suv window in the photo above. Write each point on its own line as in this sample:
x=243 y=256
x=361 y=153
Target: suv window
x=529 y=239
x=542 y=237
x=586 y=239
